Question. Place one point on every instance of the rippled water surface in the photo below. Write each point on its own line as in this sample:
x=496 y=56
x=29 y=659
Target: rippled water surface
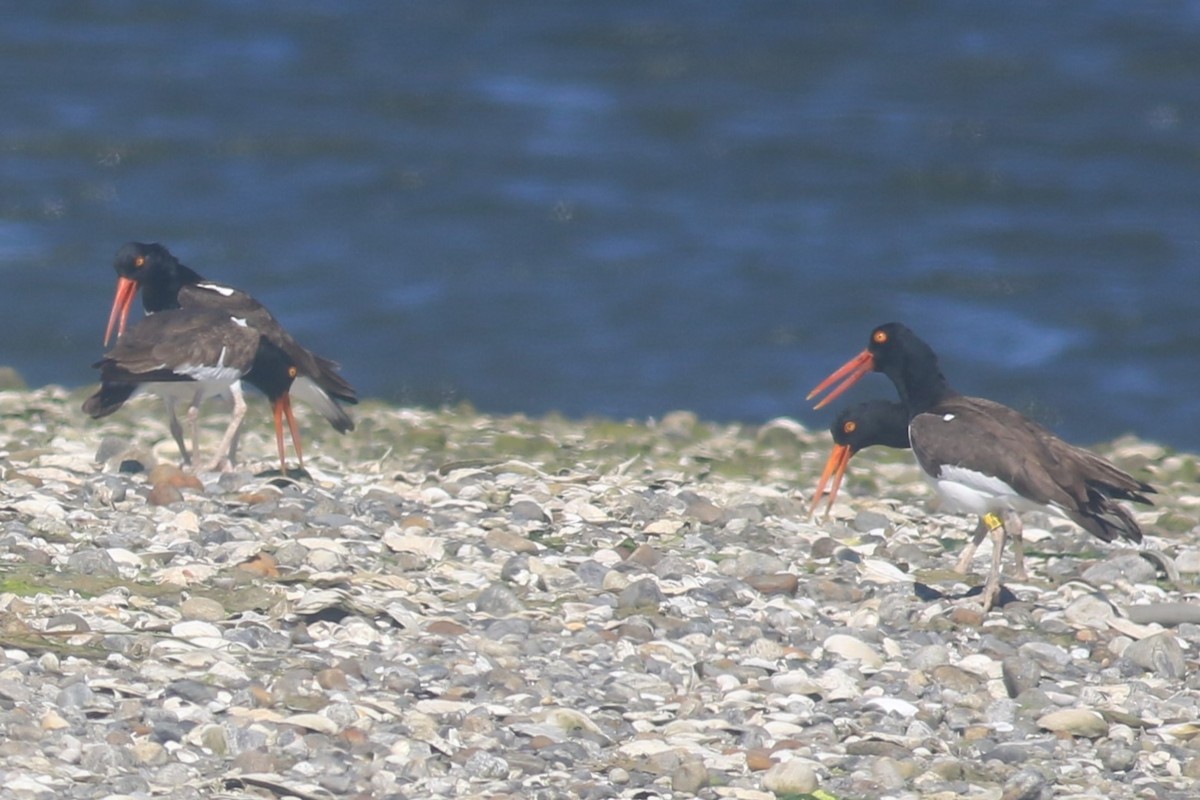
x=623 y=208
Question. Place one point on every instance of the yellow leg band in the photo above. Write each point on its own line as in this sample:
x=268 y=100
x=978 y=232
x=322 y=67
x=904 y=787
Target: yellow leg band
x=993 y=521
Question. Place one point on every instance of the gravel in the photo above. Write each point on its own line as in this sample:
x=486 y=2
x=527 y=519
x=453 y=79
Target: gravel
x=451 y=604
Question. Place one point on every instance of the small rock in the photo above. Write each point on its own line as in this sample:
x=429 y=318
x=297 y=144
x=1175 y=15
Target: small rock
x=701 y=508
x=929 y=656
x=1020 y=674
x=1123 y=566
x=98 y=563
x=1028 y=784
x=163 y=494
x=1090 y=611
x=866 y=521
x=639 y=594
x=202 y=608
x=1160 y=654
x=853 y=649
x=528 y=511
x=784 y=583
x=509 y=542
x=1117 y=756
x=498 y=600
x=790 y=777
x=689 y=777
x=1074 y=721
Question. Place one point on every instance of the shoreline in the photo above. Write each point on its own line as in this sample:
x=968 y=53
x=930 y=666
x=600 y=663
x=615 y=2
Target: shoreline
x=467 y=605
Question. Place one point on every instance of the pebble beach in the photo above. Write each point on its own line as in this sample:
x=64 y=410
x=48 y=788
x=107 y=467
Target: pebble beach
x=451 y=604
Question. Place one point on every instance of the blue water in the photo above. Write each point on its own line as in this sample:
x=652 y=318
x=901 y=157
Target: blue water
x=625 y=208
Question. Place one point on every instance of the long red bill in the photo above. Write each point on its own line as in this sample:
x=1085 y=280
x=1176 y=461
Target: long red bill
x=848 y=374
x=835 y=467
x=122 y=304
x=283 y=407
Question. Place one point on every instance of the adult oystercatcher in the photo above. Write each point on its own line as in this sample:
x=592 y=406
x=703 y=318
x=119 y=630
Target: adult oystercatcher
x=875 y=422
x=984 y=458
x=166 y=283
x=882 y=422
x=200 y=351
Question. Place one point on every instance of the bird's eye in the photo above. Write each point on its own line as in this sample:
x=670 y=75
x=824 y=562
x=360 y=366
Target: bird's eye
x=140 y=261
x=850 y=426
x=292 y=372
x=879 y=337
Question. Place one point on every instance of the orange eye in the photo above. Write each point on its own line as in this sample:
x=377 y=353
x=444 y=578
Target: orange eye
x=850 y=426
x=140 y=261
x=879 y=337
x=293 y=372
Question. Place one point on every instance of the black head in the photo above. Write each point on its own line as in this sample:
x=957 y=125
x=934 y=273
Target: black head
x=273 y=373
x=898 y=353
x=875 y=422
x=910 y=364
x=136 y=260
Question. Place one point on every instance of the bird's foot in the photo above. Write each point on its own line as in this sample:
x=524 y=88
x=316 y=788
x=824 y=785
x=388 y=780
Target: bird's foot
x=219 y=465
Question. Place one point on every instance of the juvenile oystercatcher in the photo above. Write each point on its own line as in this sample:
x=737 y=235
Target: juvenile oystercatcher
x=200 y=351
x=984 y=458
x=166 y=283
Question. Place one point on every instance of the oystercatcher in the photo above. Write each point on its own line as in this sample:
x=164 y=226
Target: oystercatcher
x=983 y=457
x=199 y=351
x=166 y=283
x=881 y=422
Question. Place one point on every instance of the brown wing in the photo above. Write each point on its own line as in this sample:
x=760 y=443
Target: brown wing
x=239 y=304
x=167 y=345
x=991 y=438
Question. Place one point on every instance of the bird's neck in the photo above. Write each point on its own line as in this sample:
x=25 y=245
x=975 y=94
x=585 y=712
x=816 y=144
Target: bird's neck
x=161 y=291
x=920 y=383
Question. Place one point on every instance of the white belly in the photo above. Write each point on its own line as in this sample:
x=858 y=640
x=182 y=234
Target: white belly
x=969 y=492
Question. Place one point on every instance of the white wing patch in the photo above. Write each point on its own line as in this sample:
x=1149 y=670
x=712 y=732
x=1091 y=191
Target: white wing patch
x=207 y=373
x=947 y=417
x=239 y=321
x=224 y=291
x=214 y=373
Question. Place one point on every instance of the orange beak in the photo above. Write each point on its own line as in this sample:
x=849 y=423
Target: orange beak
x=283 y=407
x=122 y=304
x=848 y=374
x=835 y=468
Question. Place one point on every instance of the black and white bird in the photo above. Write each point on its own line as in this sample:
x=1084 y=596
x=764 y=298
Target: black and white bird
x=885 y=423
x=200 y=351
x=984 y=458
x=166 y=284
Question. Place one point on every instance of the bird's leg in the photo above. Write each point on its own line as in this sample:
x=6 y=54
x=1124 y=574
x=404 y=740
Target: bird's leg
x=221 y=460
x=233 y=445
x=177 y=429
x=964 y=561
x=1012 y=524
x=991 y=587
x=193 y=415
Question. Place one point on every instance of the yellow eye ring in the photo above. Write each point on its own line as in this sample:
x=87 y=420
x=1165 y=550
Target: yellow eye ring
x=850 y=427
x=140 y=261
x=879 y=337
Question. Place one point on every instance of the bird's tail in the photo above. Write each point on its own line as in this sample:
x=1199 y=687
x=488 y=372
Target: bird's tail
x=331 y=381
x=1107 y=520
x=107 y=399
x=308 y=390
